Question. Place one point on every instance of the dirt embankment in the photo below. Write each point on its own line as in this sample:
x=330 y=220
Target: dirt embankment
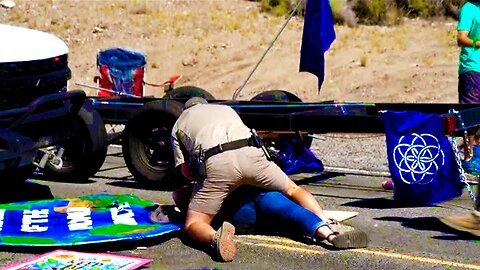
x=215 y=44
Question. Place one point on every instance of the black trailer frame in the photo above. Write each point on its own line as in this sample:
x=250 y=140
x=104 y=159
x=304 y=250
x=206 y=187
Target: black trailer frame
x=148 y=122
x=322 y=117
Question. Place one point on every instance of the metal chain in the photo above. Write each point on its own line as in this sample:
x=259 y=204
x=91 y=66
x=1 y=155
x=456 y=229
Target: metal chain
x=463 y=178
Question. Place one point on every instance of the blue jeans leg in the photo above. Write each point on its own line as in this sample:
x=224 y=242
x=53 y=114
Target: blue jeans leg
x=239 y=209
x=285 y=215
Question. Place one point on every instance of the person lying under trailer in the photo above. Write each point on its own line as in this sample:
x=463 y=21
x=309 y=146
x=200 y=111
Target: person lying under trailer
x=253 y=210
x=211 y=141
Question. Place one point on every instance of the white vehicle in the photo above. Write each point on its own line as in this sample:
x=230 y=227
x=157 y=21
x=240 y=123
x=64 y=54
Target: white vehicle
x=32 y=64
x=37 y=113
x=18 y=46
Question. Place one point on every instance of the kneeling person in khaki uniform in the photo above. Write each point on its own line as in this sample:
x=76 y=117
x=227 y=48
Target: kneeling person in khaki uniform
x=216 y=135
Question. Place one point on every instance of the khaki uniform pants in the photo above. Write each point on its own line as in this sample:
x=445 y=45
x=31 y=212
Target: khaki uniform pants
x=231 y=169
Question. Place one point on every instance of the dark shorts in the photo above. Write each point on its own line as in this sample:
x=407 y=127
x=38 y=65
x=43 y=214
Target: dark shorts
x=469 y=88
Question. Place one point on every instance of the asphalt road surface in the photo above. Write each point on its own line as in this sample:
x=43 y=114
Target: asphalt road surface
x=400 y=237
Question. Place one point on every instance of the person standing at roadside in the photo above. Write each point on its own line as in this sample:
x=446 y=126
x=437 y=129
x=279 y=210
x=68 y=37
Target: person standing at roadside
x=468 y=38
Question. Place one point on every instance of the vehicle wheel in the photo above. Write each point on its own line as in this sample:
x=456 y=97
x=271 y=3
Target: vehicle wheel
x=285 y=96
x=85 y=151
x=186 y=92
x=146 y=146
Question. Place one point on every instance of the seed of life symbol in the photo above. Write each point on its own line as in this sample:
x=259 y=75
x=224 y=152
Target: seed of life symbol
x=418 y=158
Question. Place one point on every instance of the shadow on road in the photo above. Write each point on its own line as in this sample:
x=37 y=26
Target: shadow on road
x=430 y=224
x=43 y=177
x=26 y=191
x=305 y=179
x=130 y=183
x=104 y=170
x=380 y=203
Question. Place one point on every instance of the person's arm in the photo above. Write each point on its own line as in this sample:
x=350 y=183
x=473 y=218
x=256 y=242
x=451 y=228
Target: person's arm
x=178 y=155
x=465 y=23
x=182 y=196
x=464 y=41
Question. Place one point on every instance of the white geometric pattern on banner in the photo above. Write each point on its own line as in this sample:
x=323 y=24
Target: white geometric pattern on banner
x=418 y=157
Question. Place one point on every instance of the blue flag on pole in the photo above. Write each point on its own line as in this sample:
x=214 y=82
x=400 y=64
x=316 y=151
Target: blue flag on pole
x=420 y=158
x=318 y=35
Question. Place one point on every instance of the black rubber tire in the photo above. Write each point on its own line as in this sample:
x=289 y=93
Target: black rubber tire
x=85 y=151
x=186 y=92
x=285 y=96
x=146 y=146
x=276 y=95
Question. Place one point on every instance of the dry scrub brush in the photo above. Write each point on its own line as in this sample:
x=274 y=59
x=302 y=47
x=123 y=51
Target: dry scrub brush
x=373 y=12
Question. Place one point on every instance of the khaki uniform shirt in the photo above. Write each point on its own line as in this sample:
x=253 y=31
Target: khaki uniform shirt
x=204 y=126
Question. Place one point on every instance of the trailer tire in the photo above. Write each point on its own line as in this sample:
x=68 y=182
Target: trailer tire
x=85 y=151
x=276 y=95
x=283 y=95
x=186 y=92
x=146 y=146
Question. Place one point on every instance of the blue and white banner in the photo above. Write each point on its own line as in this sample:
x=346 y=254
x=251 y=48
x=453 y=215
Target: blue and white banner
x=76 y=221
x=420 y=158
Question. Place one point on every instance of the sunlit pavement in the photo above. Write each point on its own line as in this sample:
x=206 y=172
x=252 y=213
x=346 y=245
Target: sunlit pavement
x=400 y=237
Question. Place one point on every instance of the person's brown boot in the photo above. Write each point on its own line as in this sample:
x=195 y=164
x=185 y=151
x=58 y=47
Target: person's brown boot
x=466 y=223
x=223 y=242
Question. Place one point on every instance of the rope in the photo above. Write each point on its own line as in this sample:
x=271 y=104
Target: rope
x=363 y=172
x=237 y=92
x=356 y=137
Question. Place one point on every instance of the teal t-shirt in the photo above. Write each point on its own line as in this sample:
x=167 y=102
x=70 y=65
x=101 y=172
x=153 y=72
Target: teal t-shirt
x=469 y=20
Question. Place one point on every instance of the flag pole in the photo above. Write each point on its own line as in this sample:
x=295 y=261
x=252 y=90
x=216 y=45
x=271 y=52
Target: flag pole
x=237 y=92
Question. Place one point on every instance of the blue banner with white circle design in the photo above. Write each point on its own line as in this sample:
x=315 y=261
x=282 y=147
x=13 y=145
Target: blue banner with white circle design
x=420 y=158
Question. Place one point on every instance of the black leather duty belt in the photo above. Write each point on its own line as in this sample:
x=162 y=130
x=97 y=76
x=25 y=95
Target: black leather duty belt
x=229 y=146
